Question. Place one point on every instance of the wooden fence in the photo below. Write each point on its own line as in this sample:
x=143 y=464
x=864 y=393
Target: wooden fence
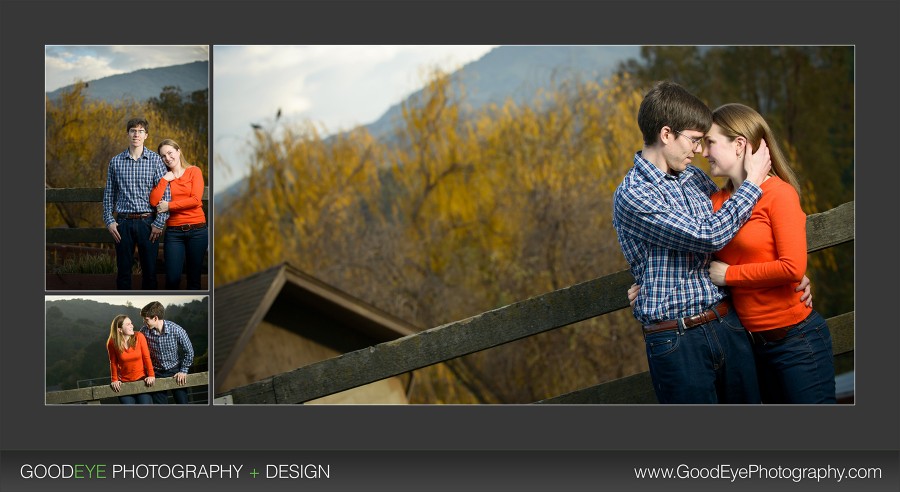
x=70 y=235
x=513 y=322
x=62 y=241
x=94 y=394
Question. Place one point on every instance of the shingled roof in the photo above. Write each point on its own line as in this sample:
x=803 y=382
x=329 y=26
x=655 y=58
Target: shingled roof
x=241 y=305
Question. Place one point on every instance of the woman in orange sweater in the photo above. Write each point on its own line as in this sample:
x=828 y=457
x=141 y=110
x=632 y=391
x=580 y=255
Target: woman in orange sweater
x=764 y=263
x=129 y=359
x=187 y=238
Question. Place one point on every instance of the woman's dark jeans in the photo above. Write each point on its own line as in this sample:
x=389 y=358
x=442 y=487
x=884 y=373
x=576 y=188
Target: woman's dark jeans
x=184 y=251
x=799 y=368
x=139 y=399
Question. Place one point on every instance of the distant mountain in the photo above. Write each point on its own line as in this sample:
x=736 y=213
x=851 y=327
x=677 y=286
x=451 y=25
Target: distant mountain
x=143 y=84
x=516 y=72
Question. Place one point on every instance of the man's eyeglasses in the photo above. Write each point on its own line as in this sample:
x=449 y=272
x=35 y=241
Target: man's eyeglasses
x=136 y=131
x=694 y=141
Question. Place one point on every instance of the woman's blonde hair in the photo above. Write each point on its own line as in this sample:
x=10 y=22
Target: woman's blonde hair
x=117 y=337
x=737 y=120
x=172 y=143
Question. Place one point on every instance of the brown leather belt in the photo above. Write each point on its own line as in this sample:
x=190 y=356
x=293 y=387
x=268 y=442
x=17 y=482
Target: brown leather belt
x=188 y=227
x=135 y=216
x=691 y=321
x=773 y=335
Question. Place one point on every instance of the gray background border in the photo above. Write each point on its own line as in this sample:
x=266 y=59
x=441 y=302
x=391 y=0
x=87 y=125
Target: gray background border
x=871 y=26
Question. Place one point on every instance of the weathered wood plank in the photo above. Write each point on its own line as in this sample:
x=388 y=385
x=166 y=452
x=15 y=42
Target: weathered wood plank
x=638 y=388
x=78 y=235
x=133 y=388
x=69 y=396
x=68 y=235
x=843 y=331
x=490 y=329
x=634 y=389
x=107 y=281
x=830 y=228
x=68 y=195
x=261 y=392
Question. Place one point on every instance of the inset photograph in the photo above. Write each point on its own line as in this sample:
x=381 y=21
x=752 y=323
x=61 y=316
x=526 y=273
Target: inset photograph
x=127 y=167
x=129 y=349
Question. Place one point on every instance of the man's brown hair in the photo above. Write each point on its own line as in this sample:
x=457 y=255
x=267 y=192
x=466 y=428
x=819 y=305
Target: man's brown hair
x=669 y=104
x=154 y=309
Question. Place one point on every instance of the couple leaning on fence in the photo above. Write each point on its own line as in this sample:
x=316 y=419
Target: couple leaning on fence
x=160 y=349
x=146 y=191
x=685 y=240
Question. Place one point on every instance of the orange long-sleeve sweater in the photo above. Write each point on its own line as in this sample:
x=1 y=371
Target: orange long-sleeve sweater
x=186 y=206
x=767 y=259
x=132 y=364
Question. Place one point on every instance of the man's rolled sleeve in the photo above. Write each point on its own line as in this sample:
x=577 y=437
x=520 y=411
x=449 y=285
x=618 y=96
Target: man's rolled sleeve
x=109 y=196
x=187 y=350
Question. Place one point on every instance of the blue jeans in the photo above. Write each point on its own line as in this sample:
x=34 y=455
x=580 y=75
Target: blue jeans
x=136 y=232
x=162 y=397
x=800 y=367
x=140 y=399
x=709 y=363
x=184 y=250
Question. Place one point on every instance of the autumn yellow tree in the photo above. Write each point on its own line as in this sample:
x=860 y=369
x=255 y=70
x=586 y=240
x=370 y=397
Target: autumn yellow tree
x=82 y=135
x=461 y=211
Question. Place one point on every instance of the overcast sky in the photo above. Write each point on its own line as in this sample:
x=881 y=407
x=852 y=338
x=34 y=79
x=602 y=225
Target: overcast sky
x=66 y=64
x=336 y=86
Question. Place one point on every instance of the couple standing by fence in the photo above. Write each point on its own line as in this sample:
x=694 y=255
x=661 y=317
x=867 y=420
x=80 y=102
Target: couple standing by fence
x=145 y=192
x=759 y=341
x=160 y=349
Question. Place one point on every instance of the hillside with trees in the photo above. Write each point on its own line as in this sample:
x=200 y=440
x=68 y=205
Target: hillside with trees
x=143 y=84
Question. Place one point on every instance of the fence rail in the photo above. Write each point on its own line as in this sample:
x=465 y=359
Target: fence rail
x=96 y=393
x=85 y=234
x=503 y=325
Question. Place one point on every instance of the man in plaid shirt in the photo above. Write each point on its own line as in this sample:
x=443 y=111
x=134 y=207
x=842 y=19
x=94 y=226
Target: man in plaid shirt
x=126 y=206
x=697 y=349
x=171 y=351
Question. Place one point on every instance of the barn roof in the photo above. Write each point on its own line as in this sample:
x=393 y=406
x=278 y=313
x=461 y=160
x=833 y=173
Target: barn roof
x=241 y=305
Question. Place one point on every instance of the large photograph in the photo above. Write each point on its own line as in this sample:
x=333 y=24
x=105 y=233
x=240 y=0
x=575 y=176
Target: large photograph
x=534 y=224
x=127 y=131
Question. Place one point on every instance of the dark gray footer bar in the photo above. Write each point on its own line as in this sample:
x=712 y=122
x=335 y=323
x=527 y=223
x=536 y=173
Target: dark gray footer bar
x=423 y=471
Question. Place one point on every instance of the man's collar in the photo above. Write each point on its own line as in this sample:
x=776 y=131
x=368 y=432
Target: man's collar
x=650 y=172
x=654 y=175
x=162 y=330
x=139 y=157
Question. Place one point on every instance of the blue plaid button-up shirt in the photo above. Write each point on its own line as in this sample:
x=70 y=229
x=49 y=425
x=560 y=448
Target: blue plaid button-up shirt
x=668 y=232
x=170 y=348
x=129 y=183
